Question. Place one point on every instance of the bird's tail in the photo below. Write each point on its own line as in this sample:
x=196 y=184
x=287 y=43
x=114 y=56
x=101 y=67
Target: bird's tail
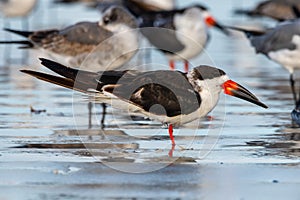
x=25 y=34
x=245 y=12
x=61 y=81
x=25 y=43
x=69 y=78
x=248 y=32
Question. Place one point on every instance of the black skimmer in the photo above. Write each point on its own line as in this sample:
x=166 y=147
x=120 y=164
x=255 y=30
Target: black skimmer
x=170 y=97
x=280 y=44
x=279 y=10
x=109 y=43
x=181 y=34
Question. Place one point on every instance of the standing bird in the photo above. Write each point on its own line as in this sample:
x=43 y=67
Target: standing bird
x=180 y=34
x=170 y=97
x=93 y=46
x=279 y=10
x=109 y=43
x=280 y=44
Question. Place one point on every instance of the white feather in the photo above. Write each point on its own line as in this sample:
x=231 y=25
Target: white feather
x=288 y=58
x=192 y=32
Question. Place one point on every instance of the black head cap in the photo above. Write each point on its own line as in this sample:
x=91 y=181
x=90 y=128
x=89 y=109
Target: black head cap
x=206 y=72
x=200 y=6
x=118 y=14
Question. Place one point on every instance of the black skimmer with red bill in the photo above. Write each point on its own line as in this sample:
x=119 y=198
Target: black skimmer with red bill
x=170 y=97
x=180 y=34
x=109 y=43
x=279 y=10
x=280 y=44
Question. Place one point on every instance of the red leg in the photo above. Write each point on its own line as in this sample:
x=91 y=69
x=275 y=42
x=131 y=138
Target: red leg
x=171 y=151
x=172 y=65
x=172 y=139
x=186 y=66
x=209 y=118
x=171 y=134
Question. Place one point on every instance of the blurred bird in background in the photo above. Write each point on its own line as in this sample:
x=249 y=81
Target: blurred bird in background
x=109 y=43
x=17 y=8
x=181 y=34
x=282 y=45
x=92 y=46
x=132 y=5
x=279 y=10
x=11 y=9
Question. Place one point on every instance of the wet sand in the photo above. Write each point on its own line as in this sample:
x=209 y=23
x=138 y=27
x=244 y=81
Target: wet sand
x=241 y=152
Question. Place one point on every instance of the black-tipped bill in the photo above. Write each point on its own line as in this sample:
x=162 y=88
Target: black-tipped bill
x=210 y=21
x=234 y=89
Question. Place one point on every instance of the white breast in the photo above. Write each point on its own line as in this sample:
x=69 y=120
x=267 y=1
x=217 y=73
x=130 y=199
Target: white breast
x=162 y=4
x=192 y=32
x=288 y=58
x=114 y=51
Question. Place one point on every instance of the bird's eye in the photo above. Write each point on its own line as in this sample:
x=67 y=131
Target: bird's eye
x=106 y=20
x=110 y=19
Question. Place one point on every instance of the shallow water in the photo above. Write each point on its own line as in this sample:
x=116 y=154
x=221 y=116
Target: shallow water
x=241 y=152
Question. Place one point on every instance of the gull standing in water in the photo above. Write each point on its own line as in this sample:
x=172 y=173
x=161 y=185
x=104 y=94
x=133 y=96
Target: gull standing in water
x=282 y=45
x=109 y=43
x=93 y=46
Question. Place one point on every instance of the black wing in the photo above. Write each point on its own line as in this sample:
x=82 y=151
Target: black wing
x=159 y=29
x=276 y=39
x=89 y=33
x=76 y=79
x=273 y=39
x=159 y=92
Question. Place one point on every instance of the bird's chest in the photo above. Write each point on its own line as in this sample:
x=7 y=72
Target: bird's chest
x=289 y=58
x=193 y=35
x=188 y=29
